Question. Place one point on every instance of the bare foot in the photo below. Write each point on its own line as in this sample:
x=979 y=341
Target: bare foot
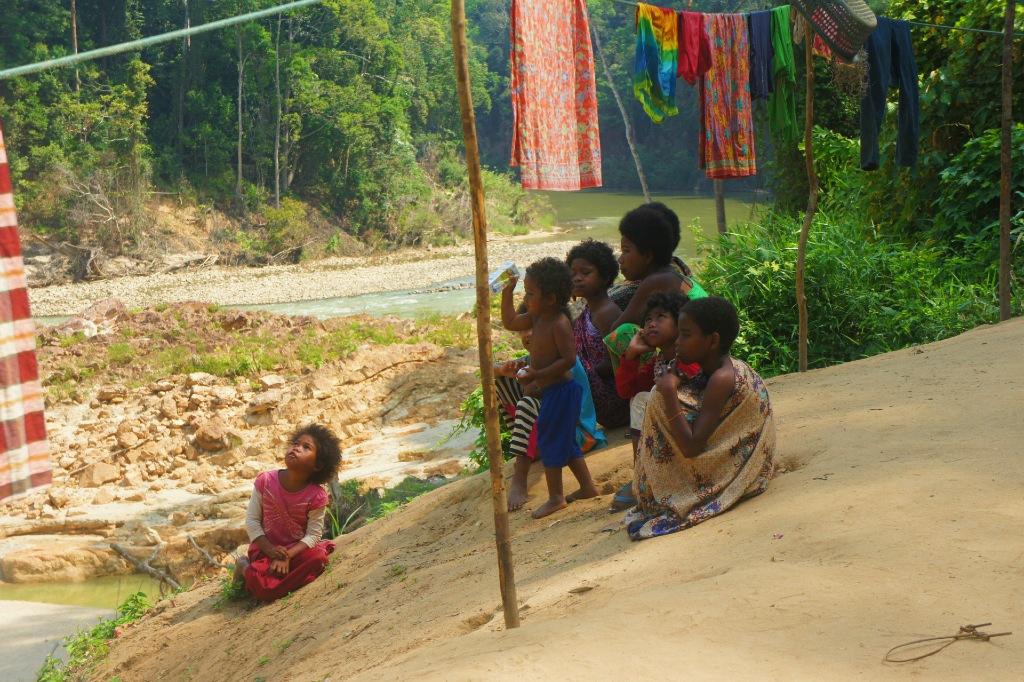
x=582 y=494
x=550 y=507
x=516 y=495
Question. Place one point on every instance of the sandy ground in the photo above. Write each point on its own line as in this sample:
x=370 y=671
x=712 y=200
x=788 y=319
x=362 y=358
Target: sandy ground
x=901 y=517
x=331 y=278
x=30 y=632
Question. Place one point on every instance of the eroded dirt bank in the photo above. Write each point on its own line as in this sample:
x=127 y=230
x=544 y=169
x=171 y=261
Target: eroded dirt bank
x=900 y=518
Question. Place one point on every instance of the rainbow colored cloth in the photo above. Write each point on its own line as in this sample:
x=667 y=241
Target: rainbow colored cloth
x=24 y=450
x=656 y=60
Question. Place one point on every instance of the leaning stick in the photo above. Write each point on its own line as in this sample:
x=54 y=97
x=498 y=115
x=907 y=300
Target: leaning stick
x=506 y=578
x=205 y=553
x=144 y=565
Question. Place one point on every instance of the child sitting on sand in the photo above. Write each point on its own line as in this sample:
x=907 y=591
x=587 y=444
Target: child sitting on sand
x=285 y=518
x=552 y=357
x=655 y=343
x=519 y=406
x=708 y=442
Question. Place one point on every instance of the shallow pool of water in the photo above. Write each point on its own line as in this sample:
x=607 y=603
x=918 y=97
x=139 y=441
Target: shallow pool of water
x=107 y=592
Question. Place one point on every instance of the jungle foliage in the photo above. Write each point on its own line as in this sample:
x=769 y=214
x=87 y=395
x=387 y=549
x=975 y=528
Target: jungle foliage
x=347 y=109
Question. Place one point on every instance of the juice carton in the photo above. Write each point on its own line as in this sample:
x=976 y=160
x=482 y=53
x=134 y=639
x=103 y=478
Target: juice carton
x=499 y=280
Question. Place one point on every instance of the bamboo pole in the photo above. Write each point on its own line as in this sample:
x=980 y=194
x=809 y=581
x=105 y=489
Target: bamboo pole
x=1005 y=168
x=506 y=578
x=812 y=201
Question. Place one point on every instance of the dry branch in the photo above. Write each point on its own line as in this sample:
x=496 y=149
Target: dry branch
x=205 y=553
x=154 y=573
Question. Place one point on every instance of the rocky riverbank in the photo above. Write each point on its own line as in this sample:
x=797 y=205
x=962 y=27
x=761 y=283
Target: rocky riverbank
x=329 y=278
x=160 y=419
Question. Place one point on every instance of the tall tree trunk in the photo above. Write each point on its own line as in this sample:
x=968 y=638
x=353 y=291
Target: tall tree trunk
x=625 y=116
x=277 y=125
x=286 y=175
x=1005 y=167
x=720 y=205
x=74 y=42
x=183 y=81
x=241 y=80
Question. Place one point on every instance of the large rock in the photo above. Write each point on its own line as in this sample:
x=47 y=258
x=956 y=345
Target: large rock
x=60 y=564
x=101 y=316
x=272 y=381
x=169 y=407
x=264 y=402
x=103 y=496
x=128 y=433
x=112 y=393
x=200 y=379
x=213 y=435
x=98 y=473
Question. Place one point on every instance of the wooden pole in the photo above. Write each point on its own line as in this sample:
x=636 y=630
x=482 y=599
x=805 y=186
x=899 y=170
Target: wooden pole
x=625 y=116
x=1005 y=167
x=812 y=201
x=719 y=186
x=506 y=578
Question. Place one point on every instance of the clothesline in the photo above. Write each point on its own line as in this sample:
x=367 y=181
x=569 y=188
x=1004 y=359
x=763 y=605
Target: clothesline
x=72 y=59
x=913 y=23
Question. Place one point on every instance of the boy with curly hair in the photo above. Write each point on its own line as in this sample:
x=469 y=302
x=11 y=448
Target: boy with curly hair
x=548 y=285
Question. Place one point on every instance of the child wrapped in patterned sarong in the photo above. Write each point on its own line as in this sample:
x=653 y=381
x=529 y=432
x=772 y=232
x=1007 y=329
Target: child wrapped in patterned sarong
x=706 y=443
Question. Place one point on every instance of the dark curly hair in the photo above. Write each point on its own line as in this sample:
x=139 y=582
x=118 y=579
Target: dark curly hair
x=328 y=451
x=715 y=314
x=552 y=277
x=598 y=254
x=671 y=302
x=671 y=217
x=651 y=232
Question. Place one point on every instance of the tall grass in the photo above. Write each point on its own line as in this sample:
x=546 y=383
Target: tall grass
x=865 y=295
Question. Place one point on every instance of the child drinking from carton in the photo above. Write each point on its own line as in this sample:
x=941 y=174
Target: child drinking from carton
x=548 y=285
x=519 y=406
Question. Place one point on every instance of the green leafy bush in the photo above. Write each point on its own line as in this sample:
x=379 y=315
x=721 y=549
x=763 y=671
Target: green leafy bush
x=968 y=210
x=473 y=418
x=86 y=648
x=864 y=295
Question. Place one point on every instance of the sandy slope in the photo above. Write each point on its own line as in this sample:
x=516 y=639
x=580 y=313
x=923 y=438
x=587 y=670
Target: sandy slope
x=902 y=517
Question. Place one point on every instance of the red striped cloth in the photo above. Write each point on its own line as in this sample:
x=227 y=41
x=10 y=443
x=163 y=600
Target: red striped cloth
x=24 y=450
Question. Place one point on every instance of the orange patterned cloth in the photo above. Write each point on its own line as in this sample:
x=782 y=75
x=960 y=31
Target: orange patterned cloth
x=24 y=450
x=555 y=139
x=726 y=120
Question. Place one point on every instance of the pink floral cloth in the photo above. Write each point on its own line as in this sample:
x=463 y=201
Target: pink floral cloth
x=285 y=513
x=726 y=120
x=555 y=138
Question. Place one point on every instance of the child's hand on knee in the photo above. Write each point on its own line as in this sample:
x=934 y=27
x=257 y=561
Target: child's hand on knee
x=280 y=567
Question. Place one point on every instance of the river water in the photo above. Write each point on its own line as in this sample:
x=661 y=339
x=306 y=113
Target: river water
x=583 y=214
x=107 y=592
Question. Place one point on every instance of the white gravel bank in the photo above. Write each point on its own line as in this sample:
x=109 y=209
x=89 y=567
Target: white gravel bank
x=331 y=278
